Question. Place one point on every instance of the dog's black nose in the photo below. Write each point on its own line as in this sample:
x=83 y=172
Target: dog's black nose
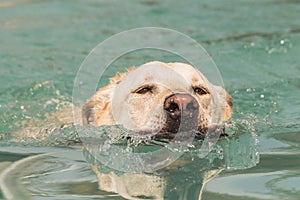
x=178 y=105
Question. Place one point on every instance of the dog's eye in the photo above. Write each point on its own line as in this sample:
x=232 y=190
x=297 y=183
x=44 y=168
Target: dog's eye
x=144 y=90
x=200 y=91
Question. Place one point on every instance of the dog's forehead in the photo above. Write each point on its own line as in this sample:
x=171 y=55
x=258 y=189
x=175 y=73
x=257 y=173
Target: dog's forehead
x=193 y=75
x=156 y=73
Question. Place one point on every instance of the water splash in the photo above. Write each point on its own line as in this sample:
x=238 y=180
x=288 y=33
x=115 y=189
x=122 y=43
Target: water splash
x=113 y=148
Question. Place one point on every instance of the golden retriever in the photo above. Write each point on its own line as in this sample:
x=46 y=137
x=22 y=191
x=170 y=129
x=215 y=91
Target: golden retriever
x=161 y=99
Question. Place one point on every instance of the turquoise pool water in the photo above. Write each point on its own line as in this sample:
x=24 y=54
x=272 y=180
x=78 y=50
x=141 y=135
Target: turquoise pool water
x=255 y=44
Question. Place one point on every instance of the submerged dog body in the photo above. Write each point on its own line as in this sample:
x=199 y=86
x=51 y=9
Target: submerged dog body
x=161 y=99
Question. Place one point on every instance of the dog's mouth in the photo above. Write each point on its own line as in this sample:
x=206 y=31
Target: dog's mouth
x=197 y=134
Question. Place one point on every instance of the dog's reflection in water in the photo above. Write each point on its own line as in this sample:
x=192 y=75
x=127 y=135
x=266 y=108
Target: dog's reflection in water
x=185 y=178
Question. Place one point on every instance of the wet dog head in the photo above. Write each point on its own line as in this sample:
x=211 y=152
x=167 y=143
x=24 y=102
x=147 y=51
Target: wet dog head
x=161 y=99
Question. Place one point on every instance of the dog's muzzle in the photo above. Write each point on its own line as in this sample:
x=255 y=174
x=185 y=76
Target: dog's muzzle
x=182 y=112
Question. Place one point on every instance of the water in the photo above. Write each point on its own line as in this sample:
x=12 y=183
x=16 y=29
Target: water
x=255 y=44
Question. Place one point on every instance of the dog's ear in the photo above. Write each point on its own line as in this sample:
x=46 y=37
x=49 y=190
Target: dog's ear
x=226 y=102
x=96 y=111
x=88 y=113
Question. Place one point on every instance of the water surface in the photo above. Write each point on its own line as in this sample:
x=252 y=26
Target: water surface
x=255 y=44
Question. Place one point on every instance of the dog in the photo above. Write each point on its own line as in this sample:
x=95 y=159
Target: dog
x=161 y=99
x=158 y=99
